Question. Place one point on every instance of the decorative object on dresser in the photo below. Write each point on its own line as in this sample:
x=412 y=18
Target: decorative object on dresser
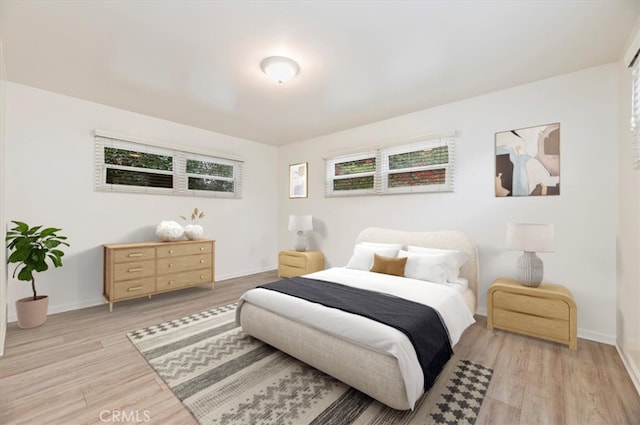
x=530 y=238
x=294 y=263
x=133 y=270
x=301 y=224
x=193 y=231
x=169 y=230
x=29 y=248
x=547 y=311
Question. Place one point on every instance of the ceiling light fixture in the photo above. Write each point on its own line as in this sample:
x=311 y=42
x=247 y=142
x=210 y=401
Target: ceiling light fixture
x=279 y=68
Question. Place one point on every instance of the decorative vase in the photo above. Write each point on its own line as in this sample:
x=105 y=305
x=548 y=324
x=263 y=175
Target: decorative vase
x=193 y=231
x=32 y=313
x=169 y=231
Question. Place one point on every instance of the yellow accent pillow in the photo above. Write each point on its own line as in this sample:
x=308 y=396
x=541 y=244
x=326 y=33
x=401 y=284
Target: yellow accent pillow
x=388 y=265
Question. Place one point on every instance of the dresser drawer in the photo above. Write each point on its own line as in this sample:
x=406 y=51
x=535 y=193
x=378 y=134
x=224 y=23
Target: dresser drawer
x=554 y=329
x=179 y=280
x=184 y=249
x=544 y=307
x=134 y=288
x=188 y=263
x=296 y=261
x=133 y=270
x=133 y=254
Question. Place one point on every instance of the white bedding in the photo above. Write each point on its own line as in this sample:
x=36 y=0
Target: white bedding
x=445 y=299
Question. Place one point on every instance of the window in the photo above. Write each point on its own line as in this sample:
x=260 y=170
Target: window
x=352 y=174
x=424 y=166
x=130 y=166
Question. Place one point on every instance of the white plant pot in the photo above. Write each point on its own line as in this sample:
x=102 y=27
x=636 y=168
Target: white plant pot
x=193 y=231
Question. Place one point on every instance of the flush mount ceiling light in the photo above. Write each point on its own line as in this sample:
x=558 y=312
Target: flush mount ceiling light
x=279 y=68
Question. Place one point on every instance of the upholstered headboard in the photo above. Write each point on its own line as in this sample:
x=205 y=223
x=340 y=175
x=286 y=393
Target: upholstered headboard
x=441 y=239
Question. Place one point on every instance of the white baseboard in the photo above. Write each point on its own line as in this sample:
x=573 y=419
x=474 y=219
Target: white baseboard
x=99 y=301
x=632 y=370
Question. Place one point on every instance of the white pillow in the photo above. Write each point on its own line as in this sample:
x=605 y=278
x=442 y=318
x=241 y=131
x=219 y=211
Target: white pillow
x=454 y=259
x=362 y=258
x=397 y=246
x=428 y=267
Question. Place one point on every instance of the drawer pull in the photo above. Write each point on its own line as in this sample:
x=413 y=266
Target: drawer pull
x=202 y=261
x=170 y=282
x=135 y=254
x=134 y=288
x=201 y=277
x=201 y=248
x=136 y=269
x=171 y=251
x=170 y=265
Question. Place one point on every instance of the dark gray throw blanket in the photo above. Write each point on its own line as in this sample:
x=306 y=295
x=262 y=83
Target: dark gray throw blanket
x=420 y=323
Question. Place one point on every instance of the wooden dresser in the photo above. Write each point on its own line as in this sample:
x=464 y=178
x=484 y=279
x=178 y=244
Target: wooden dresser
x=547 y=311
x=133 y=270
x=296 y=263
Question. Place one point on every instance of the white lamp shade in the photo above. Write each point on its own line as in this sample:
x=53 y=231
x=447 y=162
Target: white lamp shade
x=302 y=223
x=279 y=68
x=530 y=237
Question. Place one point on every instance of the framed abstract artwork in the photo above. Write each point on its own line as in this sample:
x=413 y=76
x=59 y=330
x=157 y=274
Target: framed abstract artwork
x=298 y=180
x=528 y=161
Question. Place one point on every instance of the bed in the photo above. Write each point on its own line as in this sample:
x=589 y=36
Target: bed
x=359 y=354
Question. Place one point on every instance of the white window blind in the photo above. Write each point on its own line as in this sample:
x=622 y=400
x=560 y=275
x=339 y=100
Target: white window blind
x=418 y=167
x=635 y=115
x=353 y=174
x=127 y=166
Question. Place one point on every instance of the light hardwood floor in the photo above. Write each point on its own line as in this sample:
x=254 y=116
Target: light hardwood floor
x=80 y=368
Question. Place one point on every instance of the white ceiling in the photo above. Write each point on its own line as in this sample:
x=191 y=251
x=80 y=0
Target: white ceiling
x=197 y=62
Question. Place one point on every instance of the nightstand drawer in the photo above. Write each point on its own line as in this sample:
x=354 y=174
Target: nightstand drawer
x=288 y=271
x=296 y=261
x=557 y=330
x=544 y=307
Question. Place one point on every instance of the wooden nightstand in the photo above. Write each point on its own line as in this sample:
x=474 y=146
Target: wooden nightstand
x=548 y=311
x=296 y=263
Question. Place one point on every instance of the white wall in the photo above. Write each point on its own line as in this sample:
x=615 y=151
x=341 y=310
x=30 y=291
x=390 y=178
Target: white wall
x=49 y=180
x=628 y=289
x=3 y=264
x=585 y=104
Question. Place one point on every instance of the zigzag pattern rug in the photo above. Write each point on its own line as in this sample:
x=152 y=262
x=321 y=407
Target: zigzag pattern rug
x=224 y=376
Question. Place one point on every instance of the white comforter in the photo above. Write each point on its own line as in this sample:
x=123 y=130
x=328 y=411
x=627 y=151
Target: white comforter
x=447 y=301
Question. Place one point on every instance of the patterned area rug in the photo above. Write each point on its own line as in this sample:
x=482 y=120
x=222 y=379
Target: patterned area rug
x=224 y=376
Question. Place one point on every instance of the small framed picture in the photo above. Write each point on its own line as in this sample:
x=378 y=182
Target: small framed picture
x=298 y=180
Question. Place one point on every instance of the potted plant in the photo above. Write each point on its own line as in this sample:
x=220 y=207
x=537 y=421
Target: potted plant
x=30 y=248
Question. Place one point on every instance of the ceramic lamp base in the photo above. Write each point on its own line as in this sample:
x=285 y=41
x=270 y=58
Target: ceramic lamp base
x=301 y=242
x=530 y=269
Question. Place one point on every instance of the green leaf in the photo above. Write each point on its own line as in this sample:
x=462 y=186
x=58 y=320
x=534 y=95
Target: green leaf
x=49 y=231
x=25 y=274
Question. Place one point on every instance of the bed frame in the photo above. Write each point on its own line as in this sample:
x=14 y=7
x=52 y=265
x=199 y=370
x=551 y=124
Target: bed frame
x=372 y=372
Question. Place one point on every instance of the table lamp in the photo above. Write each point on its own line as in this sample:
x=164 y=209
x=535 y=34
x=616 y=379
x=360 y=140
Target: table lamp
x=300 y=224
